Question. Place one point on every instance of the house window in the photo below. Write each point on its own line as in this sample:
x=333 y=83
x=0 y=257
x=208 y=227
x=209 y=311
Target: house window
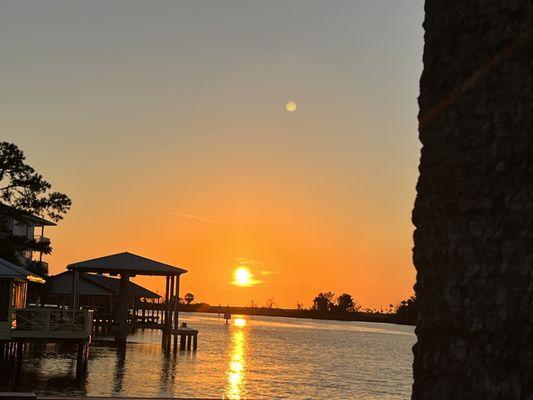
x=19 y=295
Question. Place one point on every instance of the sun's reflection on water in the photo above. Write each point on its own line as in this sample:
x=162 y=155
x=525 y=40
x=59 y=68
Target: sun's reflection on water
x=236 y=368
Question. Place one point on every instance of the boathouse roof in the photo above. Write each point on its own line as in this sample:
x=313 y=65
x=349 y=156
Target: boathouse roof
x=126 y=263
x=96 y=285
x=9 y=270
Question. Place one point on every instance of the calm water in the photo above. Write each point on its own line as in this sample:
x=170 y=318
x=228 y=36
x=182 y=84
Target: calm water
x=254 y=357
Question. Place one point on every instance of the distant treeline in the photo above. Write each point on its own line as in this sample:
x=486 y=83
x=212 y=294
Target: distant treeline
x=292 y=313
x=325 y=306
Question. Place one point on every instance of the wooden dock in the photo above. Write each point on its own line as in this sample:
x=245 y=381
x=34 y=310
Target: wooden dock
x=45 y=325
x=152 y=315
x=21 y=325
x=187 y=338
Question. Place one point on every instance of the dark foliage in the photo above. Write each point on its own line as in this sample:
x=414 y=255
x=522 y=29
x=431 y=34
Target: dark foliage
x=23 y=189
x=407 y=311
x=323 y=302
x=189 y=298
x=345 y=303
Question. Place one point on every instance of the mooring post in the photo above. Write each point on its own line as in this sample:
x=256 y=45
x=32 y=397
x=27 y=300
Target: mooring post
x=13 y=357
x=163 y=314
x=86 y=355
x=134 y=312
x=75 y=290
x=122 y=312
x=175 y=330
x=20 y=346
x=182 y=342
x=79 y=360
x=175 y=310
x=170 y=313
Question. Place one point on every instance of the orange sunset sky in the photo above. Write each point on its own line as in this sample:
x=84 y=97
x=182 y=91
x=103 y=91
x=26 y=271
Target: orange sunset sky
x=165 y=122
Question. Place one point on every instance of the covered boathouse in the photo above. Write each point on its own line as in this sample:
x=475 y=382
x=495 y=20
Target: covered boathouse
x=128 y=265
x=100 y=293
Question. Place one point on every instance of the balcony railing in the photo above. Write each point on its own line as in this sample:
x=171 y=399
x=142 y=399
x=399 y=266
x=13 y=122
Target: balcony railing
x=41 y=239
x=41 y=322
x=26 y=254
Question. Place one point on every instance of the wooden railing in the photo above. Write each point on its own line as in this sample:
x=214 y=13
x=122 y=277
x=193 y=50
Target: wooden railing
x=41 y=322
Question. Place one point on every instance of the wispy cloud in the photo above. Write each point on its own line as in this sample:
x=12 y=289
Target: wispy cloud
x=208 y=221
x=255 y=264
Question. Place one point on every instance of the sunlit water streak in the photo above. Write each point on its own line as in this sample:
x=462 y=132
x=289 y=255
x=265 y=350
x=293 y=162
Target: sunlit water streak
x=236 y=371
x=252 y=357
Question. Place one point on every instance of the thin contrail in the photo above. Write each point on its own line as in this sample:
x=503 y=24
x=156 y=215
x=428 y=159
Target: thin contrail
x=191 y=217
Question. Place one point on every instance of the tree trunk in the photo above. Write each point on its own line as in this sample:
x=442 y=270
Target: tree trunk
x=474 y=209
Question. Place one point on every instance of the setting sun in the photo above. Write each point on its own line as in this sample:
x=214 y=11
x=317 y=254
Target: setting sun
x=243 y=277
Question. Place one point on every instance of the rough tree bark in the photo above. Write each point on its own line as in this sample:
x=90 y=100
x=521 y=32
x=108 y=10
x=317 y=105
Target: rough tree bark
x=474 y=209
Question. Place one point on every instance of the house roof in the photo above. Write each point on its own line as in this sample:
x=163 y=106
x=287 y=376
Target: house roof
x=12 y=271
x=126 y=262
x=24 y=216
x=113 y=284
x=95 y=285
x=62 y=284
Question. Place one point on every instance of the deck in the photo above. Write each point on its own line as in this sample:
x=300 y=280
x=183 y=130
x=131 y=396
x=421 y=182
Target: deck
x=52 y=324
x=40 y=324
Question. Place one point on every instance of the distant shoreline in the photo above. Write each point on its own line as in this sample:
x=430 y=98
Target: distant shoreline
x=294 y=313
